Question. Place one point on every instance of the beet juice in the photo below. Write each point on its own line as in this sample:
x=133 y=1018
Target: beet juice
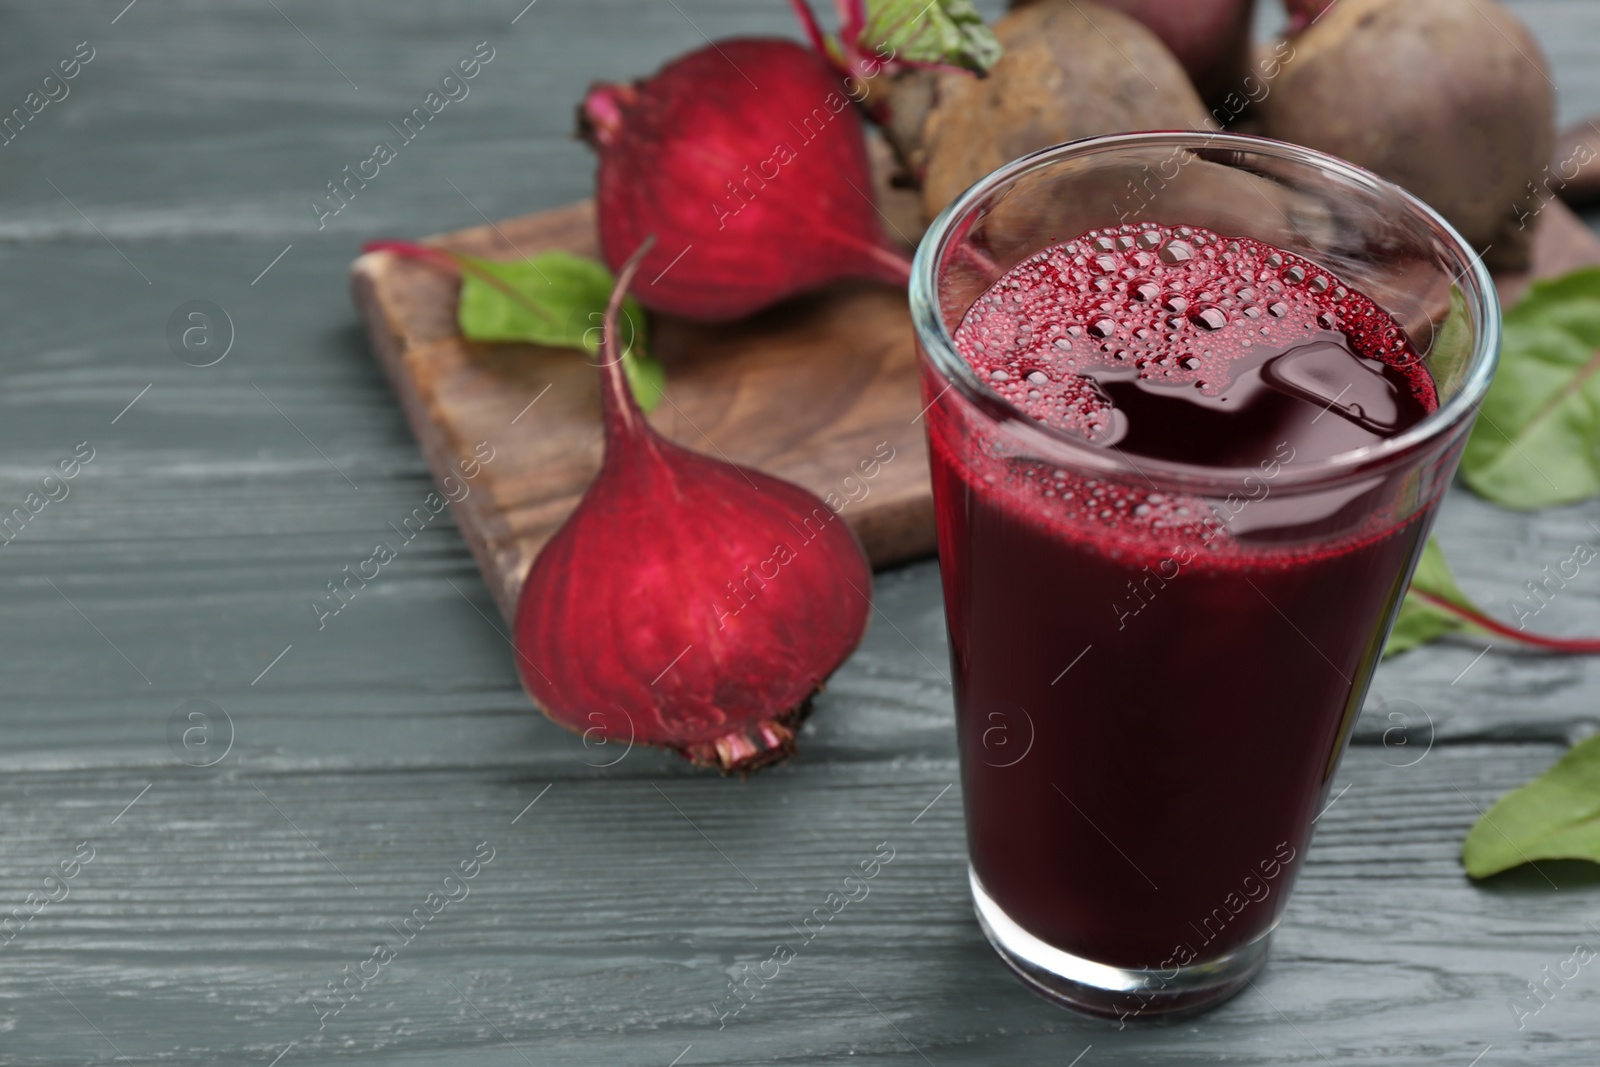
x=1153 y=686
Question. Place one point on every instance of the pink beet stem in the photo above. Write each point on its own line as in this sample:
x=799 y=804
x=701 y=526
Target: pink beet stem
x=896 y=267
x=852 y=21
x=623 y=417
x=1578 y=646
x=808 y=22
x=412 y=250
x=456 y=264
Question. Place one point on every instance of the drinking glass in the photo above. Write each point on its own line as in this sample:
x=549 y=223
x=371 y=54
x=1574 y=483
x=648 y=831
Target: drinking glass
x=1148 y=736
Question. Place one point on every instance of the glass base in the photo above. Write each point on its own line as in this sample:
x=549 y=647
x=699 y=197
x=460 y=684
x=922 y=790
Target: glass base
x=1115 y=992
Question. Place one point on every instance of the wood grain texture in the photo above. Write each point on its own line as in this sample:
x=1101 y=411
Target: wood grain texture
x=396 y=738
x=207 y=924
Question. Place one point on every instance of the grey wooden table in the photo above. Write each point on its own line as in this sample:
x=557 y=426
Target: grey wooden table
x=200 y=915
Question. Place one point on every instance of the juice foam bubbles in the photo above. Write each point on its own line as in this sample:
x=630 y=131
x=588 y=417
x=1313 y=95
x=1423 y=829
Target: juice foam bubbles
x=1177 y=344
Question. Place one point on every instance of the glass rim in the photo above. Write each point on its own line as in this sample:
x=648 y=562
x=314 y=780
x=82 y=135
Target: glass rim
x=938 y=344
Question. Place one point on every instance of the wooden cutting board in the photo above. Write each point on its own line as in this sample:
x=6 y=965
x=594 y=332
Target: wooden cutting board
x=809 y=391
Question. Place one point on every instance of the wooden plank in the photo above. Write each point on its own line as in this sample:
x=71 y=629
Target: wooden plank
x=617 y=908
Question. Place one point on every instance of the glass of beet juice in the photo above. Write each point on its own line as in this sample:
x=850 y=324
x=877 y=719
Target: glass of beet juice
x=1192 y=402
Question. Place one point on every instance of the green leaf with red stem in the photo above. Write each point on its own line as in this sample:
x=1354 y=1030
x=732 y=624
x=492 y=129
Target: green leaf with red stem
x=562 y=303
x=874 y=34
x=947 y=33
x=1435 y=606
x=555 y=299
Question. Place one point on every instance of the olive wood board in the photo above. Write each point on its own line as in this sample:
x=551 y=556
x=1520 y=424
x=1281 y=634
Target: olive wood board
x=816 y=391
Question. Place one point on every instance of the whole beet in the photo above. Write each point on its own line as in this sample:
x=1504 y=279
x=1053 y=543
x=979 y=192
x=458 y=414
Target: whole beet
x=1449 y=99
x=1211 y=38
x=746 y=161
x=686 y=602
x=1071 y=69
